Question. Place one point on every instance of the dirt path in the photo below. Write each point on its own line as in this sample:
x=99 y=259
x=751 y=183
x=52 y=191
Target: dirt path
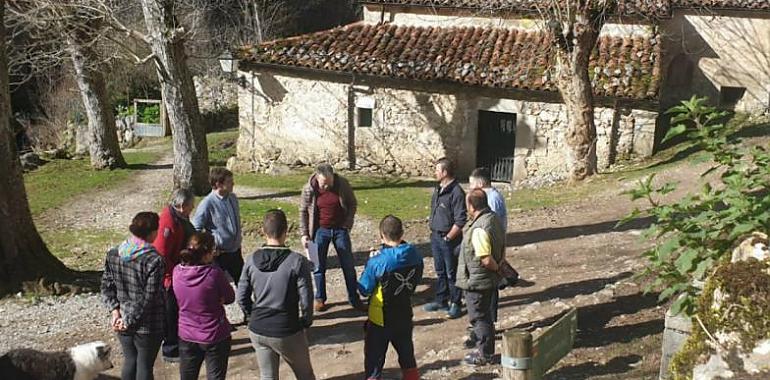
x=571 y=255
x=113 y=209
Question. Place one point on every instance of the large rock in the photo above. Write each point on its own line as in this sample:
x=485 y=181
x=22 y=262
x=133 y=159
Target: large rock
x=731 y=338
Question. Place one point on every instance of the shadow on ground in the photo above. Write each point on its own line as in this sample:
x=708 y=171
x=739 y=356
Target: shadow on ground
x=149 y=166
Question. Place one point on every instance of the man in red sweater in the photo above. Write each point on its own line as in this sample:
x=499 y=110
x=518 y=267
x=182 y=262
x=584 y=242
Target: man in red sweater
x=174 y=229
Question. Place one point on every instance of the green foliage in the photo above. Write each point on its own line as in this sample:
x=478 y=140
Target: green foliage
x=692 y=234
x=149 y=114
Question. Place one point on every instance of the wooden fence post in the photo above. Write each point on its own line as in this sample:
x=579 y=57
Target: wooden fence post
x=517 y=355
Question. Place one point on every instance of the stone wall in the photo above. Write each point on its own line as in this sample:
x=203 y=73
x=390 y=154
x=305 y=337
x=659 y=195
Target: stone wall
x=301 y=120
x=705 y=52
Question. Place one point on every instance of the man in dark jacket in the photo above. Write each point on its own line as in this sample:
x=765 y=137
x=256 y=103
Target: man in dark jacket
x=483 y=246
x=447 y=218
x=326 y=213
x=282 y=308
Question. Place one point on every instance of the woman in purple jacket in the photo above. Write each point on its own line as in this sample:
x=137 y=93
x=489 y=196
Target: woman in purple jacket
x=202 y=290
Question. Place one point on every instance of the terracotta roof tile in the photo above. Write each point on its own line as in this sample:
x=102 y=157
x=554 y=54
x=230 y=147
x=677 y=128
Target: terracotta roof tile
x=625 y=67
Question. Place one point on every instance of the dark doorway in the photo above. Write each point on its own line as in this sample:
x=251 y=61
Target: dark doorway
x=496 y=144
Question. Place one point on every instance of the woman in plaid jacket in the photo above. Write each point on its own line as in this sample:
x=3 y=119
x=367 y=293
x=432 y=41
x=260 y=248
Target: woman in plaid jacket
x=132 y=288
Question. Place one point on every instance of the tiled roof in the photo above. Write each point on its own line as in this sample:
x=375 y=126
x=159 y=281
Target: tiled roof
x=625 y=7
x=723 y=4
x=625 y=67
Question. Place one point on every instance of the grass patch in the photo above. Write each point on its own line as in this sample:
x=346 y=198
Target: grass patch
x=221 y=146
x=409 y=199
x=56 y=182
x=285 y=183
x=253 y=211
x=151 y=142
x=82 y=249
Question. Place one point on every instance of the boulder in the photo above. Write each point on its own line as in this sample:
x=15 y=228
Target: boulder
x=731 y=328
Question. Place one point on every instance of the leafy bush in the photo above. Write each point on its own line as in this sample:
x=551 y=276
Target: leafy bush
x=148 y=114
x=692 y=234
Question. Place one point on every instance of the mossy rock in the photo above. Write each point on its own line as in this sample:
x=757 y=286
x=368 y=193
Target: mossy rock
x=734 y=307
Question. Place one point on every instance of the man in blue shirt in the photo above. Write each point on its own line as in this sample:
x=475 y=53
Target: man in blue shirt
x=219 y=214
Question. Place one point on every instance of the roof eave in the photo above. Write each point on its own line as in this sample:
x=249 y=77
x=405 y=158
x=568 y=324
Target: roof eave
x=650 y=104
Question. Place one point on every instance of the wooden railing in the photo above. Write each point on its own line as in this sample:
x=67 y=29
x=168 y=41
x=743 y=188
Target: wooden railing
x=528 y=358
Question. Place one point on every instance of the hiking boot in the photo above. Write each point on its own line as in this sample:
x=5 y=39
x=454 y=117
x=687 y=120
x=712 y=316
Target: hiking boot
x=435 y=306
x=454 y=311
x=477 y=359
x=320 y=306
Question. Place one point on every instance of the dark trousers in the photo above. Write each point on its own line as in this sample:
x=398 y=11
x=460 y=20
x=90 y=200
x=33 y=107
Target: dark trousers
x=340 y=238
x=494 y=304
x=445 y=254
x=232 y=263
x=478 y=304
x=191 y=356
x=170 y=348
x=376 y=340
x=139 y=353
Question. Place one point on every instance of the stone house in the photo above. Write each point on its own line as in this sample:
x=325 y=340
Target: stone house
x=417 y=80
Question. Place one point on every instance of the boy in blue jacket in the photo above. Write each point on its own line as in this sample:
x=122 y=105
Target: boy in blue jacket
x=389 y=280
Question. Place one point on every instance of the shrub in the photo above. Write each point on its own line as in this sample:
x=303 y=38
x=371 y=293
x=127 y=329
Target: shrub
x=693 y=234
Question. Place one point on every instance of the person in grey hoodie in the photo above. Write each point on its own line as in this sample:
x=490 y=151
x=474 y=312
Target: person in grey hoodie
x=282 y=306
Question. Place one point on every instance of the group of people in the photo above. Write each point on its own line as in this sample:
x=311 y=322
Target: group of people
x=167 y=284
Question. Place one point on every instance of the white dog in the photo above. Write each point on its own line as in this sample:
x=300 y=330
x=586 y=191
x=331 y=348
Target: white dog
x=83 y=362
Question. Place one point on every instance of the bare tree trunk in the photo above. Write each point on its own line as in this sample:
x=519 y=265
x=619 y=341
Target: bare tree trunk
x=191 y=164
x=23 y=254
x=257 y=23
x=573 y=54
x=103 y=135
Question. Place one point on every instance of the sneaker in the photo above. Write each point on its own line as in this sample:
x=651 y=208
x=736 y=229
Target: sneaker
x=454 y=311
x=476 y=359
x=435 y=306
x=320 y=306
x=171 y=359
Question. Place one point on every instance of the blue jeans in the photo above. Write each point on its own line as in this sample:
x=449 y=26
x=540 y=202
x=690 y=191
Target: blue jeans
x=445 y=254
x=340 y=237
